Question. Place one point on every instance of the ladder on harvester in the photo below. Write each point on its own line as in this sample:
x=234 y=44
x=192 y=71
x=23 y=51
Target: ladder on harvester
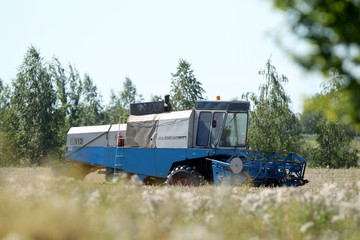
x=119 y=153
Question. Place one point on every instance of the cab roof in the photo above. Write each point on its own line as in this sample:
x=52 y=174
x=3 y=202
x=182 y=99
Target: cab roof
x=230 y=106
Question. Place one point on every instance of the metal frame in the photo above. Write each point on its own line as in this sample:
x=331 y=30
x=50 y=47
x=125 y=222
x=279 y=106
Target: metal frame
x=272 y=170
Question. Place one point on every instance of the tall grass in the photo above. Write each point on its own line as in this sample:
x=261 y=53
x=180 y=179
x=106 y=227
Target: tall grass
x=35 y=205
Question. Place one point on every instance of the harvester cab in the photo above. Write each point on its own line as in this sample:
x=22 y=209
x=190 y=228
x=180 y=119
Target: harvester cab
x=204 y=144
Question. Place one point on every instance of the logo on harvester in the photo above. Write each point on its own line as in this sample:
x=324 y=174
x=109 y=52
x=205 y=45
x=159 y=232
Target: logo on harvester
x=166 y=138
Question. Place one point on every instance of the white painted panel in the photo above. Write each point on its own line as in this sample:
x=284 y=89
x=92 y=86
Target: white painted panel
x=143 y=118
x=176 y=115
x=79 y=136
x=173 y=133
x=89 y=129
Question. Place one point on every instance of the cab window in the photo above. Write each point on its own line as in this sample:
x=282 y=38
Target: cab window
x=203 y=130
x=234 y=133
x=217 y=122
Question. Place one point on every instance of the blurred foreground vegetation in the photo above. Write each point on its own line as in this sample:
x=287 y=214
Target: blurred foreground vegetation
x=35 y=205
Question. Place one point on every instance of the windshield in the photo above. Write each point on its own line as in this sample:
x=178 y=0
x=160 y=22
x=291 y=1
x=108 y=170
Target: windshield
x=234 y=133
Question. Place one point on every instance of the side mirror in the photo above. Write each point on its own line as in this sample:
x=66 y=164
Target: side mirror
x=213 y=124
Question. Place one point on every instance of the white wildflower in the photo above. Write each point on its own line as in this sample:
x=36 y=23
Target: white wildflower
x=282 y=195
x=10 y=180
x=135 y=181
x=209 y=218
x=266 y=194
x=340 y=195
x=165 y=223
x=328 y=192
x=191 y=202
x=250 y=202
x=308 y=196
x=94 y=198
x=328 y=189
x=304 y=228
x=13 y=236
x=267 y=218
x=339 y=217
x=153 y=200
x=43 y=178
x=193 y=231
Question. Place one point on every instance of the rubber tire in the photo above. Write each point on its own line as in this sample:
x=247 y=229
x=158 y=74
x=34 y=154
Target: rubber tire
x=185 y=176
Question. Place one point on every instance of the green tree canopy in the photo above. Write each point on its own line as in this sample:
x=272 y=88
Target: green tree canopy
x=42 y=103
x=333 y=145
x=185 y=89
x=3 y=101
x=60 y=80
x=33 y=113
x=333 y=137
x=129 y=94
x=75 y=92
x=114 y=109
x=156 y=98
x=7 y=144
x=330 y=28
x=120 y=103
x=274 y=127
x=91 y=106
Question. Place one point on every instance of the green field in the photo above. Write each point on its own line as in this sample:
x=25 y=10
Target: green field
x=35 y=205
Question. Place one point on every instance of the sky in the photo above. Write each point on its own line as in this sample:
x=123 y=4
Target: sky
x=226 y=42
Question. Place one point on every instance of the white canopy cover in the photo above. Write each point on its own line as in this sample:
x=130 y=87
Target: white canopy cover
x=164 y=130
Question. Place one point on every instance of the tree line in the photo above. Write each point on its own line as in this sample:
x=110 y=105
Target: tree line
x=275 y=127
x=45 y=99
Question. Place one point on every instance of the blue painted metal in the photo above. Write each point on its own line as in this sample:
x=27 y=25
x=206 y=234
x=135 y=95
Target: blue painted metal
x=278 y=169
x=154 y=162
x=222 y=174
x=275 y=169
x=165 y=158
x=92 y=155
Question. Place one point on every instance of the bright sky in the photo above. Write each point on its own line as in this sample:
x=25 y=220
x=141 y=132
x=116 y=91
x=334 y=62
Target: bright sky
x=227 y=42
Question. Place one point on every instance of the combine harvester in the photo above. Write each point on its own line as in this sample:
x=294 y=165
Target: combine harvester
x=205 y=144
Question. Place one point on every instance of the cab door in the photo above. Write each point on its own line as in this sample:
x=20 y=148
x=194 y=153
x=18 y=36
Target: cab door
x=209 y=128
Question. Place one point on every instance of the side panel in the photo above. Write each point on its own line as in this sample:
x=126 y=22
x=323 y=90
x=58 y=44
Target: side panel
x=91 y=155
x=164 y=158
x=109 y=157
x=172 y=133
x=146 y=161
x=140 y=161
x=79 y=136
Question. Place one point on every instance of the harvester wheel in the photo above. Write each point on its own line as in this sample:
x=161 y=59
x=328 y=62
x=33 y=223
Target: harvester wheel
x=185 y=176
